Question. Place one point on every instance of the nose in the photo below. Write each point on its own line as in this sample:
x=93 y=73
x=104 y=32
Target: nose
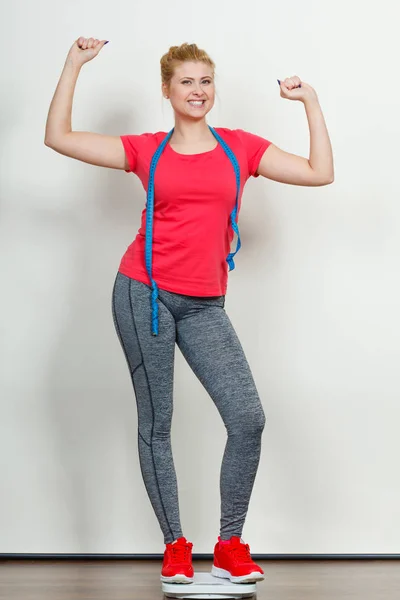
x=198 y=89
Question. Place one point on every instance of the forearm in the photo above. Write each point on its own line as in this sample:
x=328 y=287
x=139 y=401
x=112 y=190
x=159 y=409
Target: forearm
x=59 y=118
x=321 y=158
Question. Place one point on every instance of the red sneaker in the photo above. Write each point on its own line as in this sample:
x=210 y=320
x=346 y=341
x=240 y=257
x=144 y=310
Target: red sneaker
x=233 y=561
x=177 y=564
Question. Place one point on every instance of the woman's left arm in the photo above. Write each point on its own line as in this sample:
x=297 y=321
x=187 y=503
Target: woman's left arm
x=284 y=167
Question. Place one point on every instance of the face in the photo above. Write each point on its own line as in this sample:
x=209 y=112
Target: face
x=192 y=81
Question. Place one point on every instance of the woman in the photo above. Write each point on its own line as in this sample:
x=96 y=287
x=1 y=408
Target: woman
x=194 y=177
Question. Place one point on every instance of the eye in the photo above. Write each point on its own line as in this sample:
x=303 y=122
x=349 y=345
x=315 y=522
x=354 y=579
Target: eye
x=204 y=81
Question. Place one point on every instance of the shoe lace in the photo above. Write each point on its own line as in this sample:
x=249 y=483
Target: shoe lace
x=241 y=552
x=181 y=552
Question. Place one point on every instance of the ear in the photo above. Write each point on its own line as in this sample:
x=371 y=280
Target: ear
x=164 y=90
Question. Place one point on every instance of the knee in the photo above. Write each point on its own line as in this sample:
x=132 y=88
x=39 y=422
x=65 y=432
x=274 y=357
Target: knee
x=248 y=423
x=262 y=421
x=259 y=422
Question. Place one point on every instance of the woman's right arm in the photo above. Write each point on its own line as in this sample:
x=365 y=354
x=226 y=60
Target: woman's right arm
x=92 y=148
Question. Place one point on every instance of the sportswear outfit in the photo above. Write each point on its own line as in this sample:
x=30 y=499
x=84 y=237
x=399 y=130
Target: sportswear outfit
x=170 y=290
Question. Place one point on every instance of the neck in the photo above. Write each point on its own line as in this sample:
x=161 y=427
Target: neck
x=189 y=131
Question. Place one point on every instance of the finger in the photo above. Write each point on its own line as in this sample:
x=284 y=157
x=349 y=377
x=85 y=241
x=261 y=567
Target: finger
x=80 y=41
x=294 y=83
x=84 y=44
x=296 y=80
x=100 y=45
x=90 y=43
x=95 y=43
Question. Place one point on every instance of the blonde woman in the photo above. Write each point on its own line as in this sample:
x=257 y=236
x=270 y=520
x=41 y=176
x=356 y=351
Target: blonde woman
x=171 y=283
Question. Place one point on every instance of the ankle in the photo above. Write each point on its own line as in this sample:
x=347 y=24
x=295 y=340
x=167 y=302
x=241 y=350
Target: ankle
x=175 y=540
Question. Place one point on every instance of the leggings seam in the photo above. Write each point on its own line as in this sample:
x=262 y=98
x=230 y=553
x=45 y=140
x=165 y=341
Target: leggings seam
x=152 y=408
x=136 y=368
x=133 y=383
x=147 y=443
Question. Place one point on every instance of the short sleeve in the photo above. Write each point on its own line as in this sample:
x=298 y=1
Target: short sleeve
x=255 y=147
x=133 y=145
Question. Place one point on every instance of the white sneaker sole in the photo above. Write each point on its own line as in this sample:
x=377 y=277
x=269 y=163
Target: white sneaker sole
x=249 y=578
x=179 y=578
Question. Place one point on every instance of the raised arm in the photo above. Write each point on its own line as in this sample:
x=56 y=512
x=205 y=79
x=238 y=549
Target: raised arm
x=92 y=148
x=318 y=169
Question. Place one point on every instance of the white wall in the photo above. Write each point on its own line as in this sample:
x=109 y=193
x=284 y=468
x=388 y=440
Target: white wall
x=314 y=296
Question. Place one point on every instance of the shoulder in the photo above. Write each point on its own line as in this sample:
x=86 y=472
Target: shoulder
x=225 y=132
x=147 y=137
x=138 y=144
x=239 y=136
x=251 y=145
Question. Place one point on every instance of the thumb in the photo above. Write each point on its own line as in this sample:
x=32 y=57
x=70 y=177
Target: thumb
x=284 y=83
x=100 y=45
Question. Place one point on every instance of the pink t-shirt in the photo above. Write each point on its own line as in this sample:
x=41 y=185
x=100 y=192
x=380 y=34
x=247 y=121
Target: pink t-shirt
x=194 y=195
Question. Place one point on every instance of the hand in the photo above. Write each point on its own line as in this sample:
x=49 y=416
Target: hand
x=292 y=88
x=85 y=49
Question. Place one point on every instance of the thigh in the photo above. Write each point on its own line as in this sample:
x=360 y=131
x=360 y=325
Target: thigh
x=210 y=345
x=150 y=358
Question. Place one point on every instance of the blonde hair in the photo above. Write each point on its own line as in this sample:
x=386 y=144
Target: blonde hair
x=179 y=54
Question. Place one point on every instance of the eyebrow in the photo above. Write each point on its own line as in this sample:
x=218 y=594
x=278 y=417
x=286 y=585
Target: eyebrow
x=209 y=77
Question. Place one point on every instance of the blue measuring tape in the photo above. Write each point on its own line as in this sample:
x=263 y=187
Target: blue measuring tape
x=150 y=218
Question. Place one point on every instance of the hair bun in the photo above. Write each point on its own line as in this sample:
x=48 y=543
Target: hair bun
x=178 y=54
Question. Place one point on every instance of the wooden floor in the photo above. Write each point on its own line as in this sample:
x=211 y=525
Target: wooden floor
x=139 y=580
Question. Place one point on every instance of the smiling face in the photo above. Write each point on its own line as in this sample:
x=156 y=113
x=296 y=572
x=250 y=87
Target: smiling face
x=191 y=90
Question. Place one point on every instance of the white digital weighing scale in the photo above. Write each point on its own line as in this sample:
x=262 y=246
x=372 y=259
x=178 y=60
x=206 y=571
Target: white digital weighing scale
x=206 y=585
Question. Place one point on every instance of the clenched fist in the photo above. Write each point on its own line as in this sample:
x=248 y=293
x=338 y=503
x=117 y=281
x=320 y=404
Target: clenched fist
x=293 y=88
x=85 y=49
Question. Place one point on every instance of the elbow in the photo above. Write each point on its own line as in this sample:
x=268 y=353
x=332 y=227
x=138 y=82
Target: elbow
x=325 y=180
x=48 y=142
x=54 y=143
x=331 y=177
x=322 y=178
x=47 y=136
x=54 y=140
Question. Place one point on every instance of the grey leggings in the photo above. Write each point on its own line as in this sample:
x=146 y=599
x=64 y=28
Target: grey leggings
x=204 y=334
